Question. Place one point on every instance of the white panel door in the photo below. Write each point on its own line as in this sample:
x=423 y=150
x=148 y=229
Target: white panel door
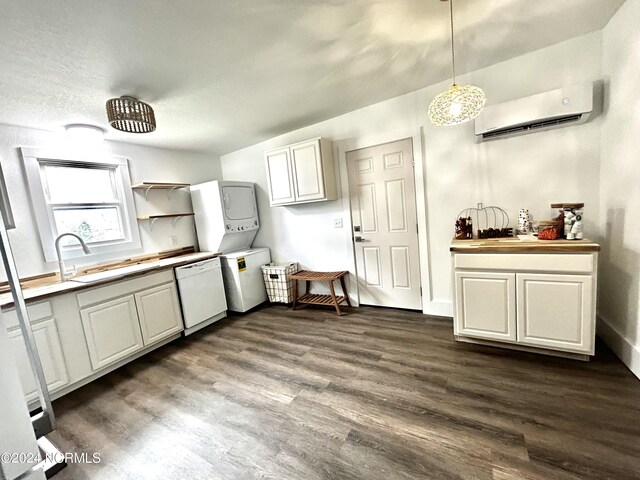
x=50 y=353
x=280 y=176
x=383 y=210
x=159 y=312
x=112 y=331
x=556 y=311
x=307 y=171
x=486 y=305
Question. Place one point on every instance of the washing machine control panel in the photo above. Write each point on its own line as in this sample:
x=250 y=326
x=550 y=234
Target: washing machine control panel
x=242 y=226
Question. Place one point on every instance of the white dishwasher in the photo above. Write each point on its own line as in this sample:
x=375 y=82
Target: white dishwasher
x=201 y=294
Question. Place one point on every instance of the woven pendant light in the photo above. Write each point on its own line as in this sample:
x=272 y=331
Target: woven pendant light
x=460 y=103
x=128 y=114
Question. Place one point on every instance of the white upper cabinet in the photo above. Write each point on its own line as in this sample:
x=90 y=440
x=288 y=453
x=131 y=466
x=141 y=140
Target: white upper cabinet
x=279 y=173
x=307 y=171
x=301 y=173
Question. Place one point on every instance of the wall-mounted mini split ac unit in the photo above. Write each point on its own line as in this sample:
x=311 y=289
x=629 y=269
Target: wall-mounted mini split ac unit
x=563 y=107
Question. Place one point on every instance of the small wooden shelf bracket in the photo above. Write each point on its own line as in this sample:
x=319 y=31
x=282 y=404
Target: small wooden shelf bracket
x=174 y=221
x=167 y=191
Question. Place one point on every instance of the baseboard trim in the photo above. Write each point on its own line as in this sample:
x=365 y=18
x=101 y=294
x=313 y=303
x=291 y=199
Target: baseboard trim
x=438 y=309
x=525 y=348
x=626 y=351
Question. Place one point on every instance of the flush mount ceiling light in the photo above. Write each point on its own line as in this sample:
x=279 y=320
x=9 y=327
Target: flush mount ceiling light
x=129 y=114
x=81 y=134
x=460 y=103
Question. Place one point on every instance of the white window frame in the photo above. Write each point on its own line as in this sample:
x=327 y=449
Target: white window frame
x=34 y=161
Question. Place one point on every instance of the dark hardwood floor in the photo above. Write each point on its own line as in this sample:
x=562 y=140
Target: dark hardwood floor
x=377 y=394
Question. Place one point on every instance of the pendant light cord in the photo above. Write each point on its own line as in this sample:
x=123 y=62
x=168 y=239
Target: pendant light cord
x=453 y=50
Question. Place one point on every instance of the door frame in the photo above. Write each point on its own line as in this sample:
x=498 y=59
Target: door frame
x=341 y=147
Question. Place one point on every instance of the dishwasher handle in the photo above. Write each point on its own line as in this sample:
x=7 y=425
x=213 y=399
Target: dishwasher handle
x=197 y=268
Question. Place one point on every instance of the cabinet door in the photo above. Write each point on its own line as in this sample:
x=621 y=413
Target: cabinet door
x=112 y=331
x=307 y=171
x=280 y=176
x=51 y=357
x=159 y=312
x=556 y=311
x=486 y=305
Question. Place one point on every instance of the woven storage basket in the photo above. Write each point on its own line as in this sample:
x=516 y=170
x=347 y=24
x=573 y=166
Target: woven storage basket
x=278 y=282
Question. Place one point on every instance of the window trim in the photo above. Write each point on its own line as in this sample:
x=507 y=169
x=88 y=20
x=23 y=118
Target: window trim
x=34 y=160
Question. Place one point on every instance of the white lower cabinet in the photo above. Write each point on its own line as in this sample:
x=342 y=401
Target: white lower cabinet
x=535 y=309
x=159 y=312
x=81 y=335
x=125 y=317
x=50 y=352
x=555 y=311
x=112 y=331
x=486 y=305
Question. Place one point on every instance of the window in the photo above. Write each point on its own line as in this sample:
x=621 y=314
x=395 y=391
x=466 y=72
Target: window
x=89 y=198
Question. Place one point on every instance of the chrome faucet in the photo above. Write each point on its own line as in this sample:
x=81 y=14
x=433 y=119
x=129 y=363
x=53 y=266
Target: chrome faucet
x=85 y=249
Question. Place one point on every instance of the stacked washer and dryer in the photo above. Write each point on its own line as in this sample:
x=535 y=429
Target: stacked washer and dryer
x=226 y=216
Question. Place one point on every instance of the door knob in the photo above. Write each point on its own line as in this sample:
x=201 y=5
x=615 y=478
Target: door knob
x=359 y=239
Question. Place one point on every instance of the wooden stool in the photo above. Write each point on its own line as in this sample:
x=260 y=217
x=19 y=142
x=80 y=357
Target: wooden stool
x=317 y=299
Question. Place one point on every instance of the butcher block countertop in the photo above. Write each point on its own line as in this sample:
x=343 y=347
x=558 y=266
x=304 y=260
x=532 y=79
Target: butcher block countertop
x=523 y=244
x=101 y=278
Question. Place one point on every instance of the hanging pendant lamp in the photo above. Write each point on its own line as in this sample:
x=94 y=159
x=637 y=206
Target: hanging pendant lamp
x=460 y=103
x=128 y=114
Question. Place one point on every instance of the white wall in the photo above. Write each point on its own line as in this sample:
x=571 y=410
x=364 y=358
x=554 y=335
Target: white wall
x=619 y=282
x=145 y=164
x=531 y=171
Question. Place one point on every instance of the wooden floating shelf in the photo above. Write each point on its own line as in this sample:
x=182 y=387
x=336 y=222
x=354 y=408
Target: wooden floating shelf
x=169 y=187
x=165 y=215
x=159 y=186
x=173 y=216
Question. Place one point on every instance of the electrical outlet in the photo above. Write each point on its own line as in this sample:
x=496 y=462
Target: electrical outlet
x=174 y=240
x=337 y=223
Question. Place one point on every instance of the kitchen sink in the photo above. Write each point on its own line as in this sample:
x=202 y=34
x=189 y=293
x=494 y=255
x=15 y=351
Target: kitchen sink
x=109 y=274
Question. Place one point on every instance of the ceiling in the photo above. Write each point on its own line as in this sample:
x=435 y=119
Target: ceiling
x=224 y=74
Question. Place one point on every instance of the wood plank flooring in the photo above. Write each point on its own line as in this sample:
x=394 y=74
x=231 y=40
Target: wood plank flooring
x=376 y=394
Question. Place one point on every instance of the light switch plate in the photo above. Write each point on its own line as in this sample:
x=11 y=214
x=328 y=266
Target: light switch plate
x=337 y=223
x=174 y=240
